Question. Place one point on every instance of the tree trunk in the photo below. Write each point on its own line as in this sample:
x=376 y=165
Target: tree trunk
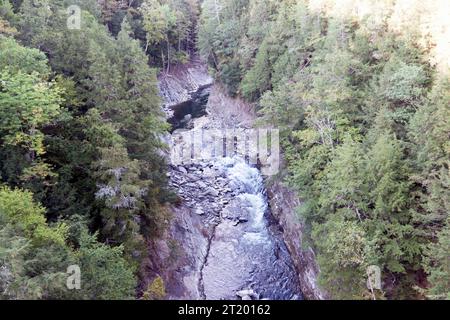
x=168 y=53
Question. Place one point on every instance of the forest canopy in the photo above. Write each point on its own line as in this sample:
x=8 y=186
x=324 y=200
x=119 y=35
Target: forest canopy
x=82 y=167
x=360 y=91
x=361 y=94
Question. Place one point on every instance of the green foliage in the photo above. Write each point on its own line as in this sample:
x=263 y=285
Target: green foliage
x=401 y=82
x=286 y=118
x=18 y=58
x=17 y=207
x=169 y=26
x=156 y=290
x=364 y=126
x=430 y=127
x=437 y=265
x=222 y=25
x=157 y=20
x=257 y=80
x=123 y=192
x=364 y=121
x=26 y=105
x=30 y=271
x=81 y=127
x=34 y=256
x=342 y=257
x=105 y=273
x=32 y=253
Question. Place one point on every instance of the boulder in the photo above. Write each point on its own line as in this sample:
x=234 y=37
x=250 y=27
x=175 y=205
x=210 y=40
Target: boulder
x=182 y=170
x=248 y=293
x=193 y=177
x=243 y=293
x=201 y=184
x=212 y=192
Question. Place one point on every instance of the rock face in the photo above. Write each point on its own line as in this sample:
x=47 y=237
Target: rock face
x=283 y=203
x=185 y=91
x=177 y=255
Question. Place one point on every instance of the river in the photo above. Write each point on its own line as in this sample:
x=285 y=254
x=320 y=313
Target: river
x=244 y=255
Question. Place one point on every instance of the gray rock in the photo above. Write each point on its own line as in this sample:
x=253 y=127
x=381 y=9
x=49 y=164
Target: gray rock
x=193 y=177
x=222 y=181
x=190 y=185
x=187 y=118
x=208 y=173
x=242 y=219
x=244 y=293
x=212 y=192
x=201 y=184
x=182 y=170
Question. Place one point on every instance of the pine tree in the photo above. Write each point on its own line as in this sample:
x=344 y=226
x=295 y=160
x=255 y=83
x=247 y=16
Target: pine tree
x=437 y=265
x=27 y=104
x=258 y=79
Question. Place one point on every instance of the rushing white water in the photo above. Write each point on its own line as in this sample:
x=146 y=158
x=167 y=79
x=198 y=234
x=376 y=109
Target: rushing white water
x=248 y=179
x=249 y=254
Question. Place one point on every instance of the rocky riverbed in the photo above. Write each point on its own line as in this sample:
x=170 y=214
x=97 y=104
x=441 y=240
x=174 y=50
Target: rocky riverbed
x=245 y=256
x=223 y=241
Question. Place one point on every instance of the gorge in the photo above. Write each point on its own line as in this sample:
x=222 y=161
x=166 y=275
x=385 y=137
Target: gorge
x=228 y=243
x=98 y=96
